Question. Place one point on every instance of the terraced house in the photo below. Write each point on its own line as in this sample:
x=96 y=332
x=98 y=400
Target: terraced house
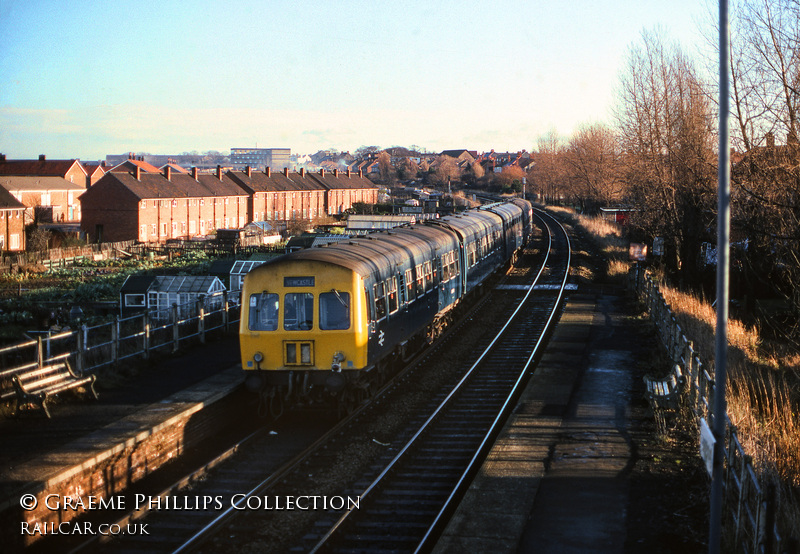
x=279 y=197
x=131 y=203
x=12 y=223
x=155 y=207
x=49 y=187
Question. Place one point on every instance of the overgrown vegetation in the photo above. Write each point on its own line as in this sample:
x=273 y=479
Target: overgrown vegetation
x=763 y=377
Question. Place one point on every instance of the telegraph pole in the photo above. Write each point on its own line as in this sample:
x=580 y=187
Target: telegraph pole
x=723 y=250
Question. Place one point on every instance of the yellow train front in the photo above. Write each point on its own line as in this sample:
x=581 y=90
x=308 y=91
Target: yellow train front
x=302 y=318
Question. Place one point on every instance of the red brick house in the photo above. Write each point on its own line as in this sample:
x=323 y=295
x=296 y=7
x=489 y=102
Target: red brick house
x=95 y=172
x=131 y=164
x=70 y=170
x=12 y=223
x=155 y=207
x=50 y=187
x=345 y=188
x=281 y=196
x=51 y=199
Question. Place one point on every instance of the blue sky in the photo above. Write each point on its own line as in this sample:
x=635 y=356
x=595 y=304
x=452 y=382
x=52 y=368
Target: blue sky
x=82 y=78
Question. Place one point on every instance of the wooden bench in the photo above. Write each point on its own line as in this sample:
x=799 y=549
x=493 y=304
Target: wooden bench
x=34 y=386
x=663 y=394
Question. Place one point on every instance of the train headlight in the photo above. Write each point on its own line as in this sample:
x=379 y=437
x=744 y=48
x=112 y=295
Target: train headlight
x=258 y=357
x=338 y=358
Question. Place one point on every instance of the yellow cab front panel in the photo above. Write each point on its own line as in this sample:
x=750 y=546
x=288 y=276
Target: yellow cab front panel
x=303 y=315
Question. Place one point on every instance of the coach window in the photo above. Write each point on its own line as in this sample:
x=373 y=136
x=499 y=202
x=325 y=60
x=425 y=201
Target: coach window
x=334 y=310
x=263 y=312
x=392 y=288
x=420 y=281
x=298 y=311
x=379 y=291
x=428 y=276
x=409 y=285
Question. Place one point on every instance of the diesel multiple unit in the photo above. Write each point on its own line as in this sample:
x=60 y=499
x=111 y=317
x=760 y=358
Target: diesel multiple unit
x=326 y=320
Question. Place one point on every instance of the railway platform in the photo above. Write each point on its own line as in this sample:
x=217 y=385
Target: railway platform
x=557 y=479
x=132 y=428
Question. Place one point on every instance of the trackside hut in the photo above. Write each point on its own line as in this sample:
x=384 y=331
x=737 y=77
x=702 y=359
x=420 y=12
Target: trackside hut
x=156 y=207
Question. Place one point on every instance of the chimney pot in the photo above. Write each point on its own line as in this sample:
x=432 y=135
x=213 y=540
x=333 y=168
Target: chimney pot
x=335 y=172
x=194 y=173
x=360 y=172
x=285 y=171
x=219 y=172
x=322 y=172
x=42 y=157
x=302 y=172
x=2 y=158
x=168 y=172
x=268 y=171
x=248 y=171
x=348 y=172
x=137 y=172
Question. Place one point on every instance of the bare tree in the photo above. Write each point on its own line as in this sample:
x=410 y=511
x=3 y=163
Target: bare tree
x=665 y=129
x=765 y=70
x=407 y=169
x=385 y=165
x=547 y=173
x=593 y=162
x=765 y=101
x=446 y=170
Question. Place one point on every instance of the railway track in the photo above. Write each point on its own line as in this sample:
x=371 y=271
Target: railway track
x=405 y=484
x=404 y=507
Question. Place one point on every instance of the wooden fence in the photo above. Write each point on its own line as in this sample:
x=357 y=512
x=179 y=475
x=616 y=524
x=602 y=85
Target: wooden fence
x=60 y=257
x=749 y=504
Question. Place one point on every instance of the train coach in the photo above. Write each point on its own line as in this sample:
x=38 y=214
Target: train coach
x=326 y=322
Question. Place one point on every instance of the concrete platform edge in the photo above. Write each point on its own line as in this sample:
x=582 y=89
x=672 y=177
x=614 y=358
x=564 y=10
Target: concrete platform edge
x=181 y=406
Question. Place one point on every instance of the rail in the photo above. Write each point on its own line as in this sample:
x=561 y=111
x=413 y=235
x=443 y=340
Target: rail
x=749 y=505
x=412 y=447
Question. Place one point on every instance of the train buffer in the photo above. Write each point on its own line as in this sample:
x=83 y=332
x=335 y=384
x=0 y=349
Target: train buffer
x=663 y=394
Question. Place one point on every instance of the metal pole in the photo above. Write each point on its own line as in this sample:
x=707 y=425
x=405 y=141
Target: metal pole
x=723 y=249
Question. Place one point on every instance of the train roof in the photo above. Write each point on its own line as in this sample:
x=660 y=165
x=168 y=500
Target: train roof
x=382 y=252
x=377 y=252
x=471 y=225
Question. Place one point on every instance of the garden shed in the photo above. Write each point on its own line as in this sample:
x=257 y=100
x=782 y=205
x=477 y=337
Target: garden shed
x=233 y=271
x=157 y=294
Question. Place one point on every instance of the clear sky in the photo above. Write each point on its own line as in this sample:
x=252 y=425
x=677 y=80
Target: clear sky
x=86 y=78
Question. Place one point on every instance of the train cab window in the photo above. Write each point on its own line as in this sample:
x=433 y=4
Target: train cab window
x=380 y=300
x=334 y=310
x=409 y=282
x=298 y=311
x=420 y=281
x=263 y=312
x=391 y=284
